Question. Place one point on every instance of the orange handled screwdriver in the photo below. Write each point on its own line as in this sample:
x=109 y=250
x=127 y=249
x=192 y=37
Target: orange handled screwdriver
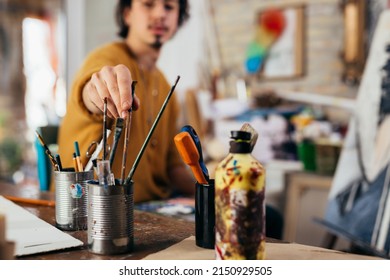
x=190 y=155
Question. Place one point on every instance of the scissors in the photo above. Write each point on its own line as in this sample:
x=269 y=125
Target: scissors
x=195 y=138
x=93 y=151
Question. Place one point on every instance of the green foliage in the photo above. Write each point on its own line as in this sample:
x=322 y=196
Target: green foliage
x=10 y=156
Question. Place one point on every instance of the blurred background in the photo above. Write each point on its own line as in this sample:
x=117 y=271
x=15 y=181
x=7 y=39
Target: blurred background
x=290 y=68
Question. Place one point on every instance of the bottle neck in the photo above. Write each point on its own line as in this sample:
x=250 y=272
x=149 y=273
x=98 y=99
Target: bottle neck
x=240 y=147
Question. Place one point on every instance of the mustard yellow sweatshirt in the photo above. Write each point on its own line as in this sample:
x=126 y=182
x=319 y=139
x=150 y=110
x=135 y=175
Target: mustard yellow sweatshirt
x=151 y=176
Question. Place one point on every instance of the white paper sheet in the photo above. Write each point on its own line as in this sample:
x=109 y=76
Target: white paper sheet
x=31 y=234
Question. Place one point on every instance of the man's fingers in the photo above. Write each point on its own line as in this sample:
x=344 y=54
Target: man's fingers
x=124 y=80
x=108 y=74
x=94 y=96
x=115 y=84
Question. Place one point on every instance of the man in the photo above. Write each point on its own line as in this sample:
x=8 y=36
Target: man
x=145 y=26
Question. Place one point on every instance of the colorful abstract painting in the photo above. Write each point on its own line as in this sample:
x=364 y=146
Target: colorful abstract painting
x=277 y=45
x=270 y=25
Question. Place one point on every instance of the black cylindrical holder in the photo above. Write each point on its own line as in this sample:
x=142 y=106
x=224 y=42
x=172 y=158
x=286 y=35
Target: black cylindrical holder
x=205 y=215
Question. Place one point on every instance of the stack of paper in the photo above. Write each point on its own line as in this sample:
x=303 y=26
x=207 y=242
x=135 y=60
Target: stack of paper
x=31 y=234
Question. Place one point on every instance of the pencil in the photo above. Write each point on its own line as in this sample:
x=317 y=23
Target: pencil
x=33 y=201
x=75 y=165
x=80 y=167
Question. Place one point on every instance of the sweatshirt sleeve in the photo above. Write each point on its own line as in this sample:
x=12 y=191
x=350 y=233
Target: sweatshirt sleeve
x=79 y=124
x=93 y=64
x=174 y=158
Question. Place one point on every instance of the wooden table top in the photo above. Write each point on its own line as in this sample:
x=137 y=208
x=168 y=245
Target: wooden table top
x=152 y=232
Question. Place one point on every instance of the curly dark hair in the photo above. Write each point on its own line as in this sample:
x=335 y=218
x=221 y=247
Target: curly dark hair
x=124 y=29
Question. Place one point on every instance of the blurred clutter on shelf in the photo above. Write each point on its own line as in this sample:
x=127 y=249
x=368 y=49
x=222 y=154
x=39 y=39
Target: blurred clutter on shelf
x=289 y=130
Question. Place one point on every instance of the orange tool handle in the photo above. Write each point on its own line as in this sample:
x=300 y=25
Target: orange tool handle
x=190 y=155
x=33 y=201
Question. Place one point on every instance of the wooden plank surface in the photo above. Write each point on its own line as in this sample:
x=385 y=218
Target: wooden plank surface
x=152 y=232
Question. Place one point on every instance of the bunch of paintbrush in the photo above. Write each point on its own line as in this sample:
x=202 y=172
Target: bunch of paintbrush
x=56 y=160
x=103 y=143
x=120 y=122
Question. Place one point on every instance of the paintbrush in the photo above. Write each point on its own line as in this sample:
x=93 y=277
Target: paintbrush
x=135 y=164
x=58 y=160
x=127 y=133
x=117 y=135
x=254 y=135
x=47 y=151
x=105 y=128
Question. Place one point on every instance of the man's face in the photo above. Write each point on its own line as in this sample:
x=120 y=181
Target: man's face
x=153 y=22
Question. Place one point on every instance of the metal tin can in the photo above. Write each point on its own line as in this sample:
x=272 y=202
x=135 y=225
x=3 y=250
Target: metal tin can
x=110 y=218
x=71 y=199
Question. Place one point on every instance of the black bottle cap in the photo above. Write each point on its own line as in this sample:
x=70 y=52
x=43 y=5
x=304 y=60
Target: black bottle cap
x=240 y=135
x=241 y=142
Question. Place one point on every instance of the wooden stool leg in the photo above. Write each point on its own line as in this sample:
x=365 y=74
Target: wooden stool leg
x=329 y=240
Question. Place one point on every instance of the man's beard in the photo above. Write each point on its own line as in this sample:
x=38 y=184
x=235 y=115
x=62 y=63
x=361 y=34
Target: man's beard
x=157 y=43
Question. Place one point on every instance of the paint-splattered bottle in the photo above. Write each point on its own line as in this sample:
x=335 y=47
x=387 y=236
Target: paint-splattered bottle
x=239 y=203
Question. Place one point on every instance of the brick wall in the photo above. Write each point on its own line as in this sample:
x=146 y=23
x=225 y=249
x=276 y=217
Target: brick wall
x=323 y=45
x=234 y=22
